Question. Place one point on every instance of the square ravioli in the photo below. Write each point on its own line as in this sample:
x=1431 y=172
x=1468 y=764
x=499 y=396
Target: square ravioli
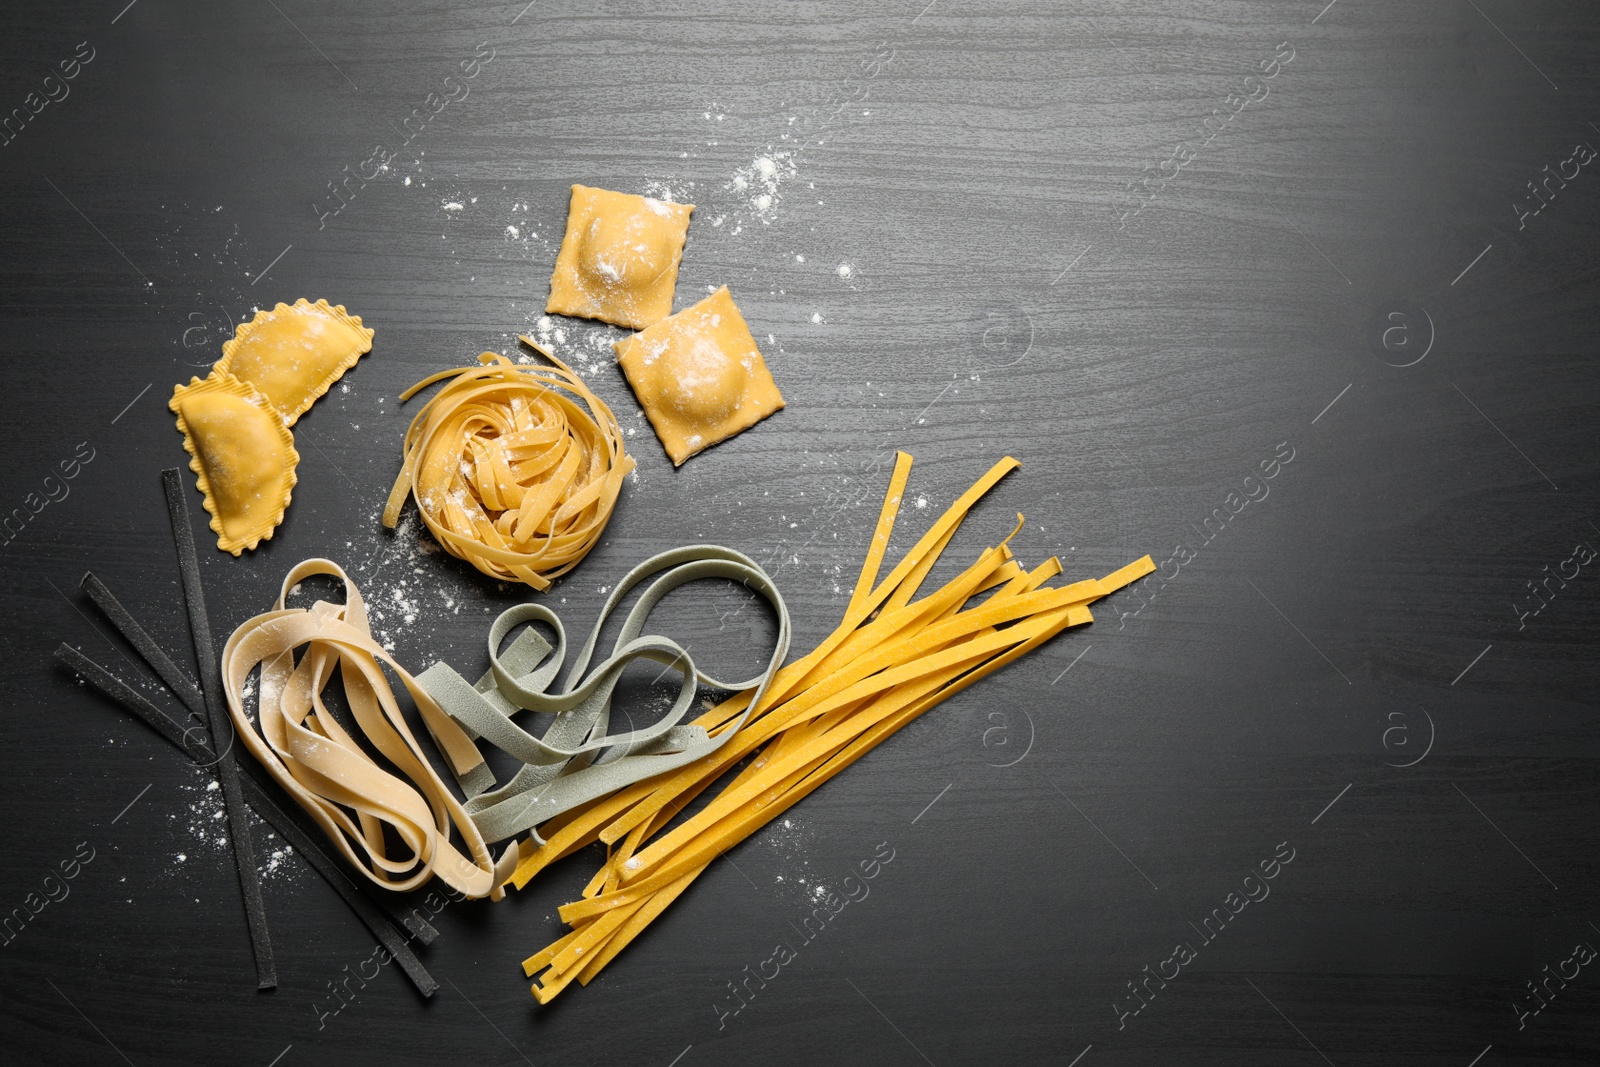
x=699 y=376
x=619 y=259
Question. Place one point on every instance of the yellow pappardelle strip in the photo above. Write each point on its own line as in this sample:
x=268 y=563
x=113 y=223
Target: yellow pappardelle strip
x=508 y=472
x=894 y=656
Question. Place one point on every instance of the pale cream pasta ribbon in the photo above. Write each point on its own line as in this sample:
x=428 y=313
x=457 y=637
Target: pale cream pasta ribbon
x=315 y=760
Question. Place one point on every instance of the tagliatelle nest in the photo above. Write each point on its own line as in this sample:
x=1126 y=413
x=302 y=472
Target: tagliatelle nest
x=509 y=472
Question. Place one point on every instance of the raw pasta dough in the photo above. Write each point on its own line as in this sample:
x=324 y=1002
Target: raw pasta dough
x=563 y=768
x=619 y=259
x=292 y=354
x=236 y=423
x=365 y=809
x=243 y=457
x=699 y=376
x=508 y=472
x=892 y=657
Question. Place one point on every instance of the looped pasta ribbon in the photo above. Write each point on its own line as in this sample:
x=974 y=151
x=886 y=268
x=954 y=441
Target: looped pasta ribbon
x=327 y=772
x=561 y=770
x=508 y=471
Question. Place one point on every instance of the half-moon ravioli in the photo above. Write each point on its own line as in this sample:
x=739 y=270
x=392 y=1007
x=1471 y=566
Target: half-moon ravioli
x=243 y=453
x=294 y=353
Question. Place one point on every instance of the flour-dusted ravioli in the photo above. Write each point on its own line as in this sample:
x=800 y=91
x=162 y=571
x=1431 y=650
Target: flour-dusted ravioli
x=619 y=259
x=294 y=353
x=699 y=376
x=243 y=453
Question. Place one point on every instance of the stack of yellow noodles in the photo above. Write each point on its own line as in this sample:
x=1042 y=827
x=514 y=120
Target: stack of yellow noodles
x=890 y=660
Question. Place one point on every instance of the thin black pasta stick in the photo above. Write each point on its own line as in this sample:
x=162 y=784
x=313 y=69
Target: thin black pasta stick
x=188 y=694
x=174 y=677
x=257 y=795
x=205 y=654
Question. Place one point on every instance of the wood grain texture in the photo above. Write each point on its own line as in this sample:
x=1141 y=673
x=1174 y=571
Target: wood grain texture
x=944 y=269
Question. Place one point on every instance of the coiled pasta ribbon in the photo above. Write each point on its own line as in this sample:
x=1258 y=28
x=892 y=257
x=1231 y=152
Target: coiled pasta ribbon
x=564 y=767
x=327 y=772
x=508 y=471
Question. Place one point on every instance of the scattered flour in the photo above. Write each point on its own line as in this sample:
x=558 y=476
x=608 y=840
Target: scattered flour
x=759 y=183
x=202 y=822
x=659 y=194
x=788 y=839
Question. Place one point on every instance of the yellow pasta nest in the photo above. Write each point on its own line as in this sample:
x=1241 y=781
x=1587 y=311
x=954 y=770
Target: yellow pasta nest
x=509 y=472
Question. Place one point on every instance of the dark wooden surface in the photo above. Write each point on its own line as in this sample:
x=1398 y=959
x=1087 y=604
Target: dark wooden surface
x=953 y=185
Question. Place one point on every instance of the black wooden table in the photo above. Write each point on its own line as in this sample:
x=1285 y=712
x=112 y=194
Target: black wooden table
x=1158 y=251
